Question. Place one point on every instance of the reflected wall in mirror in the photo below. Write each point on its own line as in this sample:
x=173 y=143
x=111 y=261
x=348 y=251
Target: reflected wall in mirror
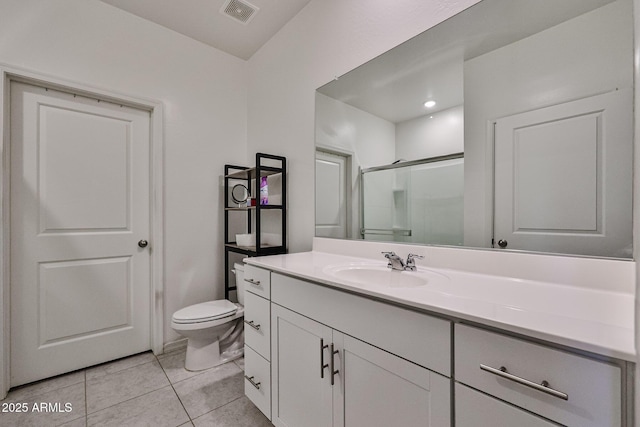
x=536 y=95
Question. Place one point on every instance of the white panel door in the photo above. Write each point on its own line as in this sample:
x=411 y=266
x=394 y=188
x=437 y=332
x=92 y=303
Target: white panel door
x=377 y=388
x=563 y=177
x=80 y=284
x=331 y=195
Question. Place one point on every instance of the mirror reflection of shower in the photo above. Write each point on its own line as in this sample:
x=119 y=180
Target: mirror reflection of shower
x=418 y=201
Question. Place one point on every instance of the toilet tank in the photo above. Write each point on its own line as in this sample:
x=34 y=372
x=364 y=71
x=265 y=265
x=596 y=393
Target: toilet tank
x=239 y=269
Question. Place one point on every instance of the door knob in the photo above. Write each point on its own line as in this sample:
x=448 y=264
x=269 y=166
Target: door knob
x=143 y=243
x=502 y=243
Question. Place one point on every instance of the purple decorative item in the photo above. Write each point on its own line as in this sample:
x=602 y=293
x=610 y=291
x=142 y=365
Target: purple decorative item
x=264 y=191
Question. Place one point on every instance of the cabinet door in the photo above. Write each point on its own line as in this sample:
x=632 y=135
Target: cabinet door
x=380 y=389
x=475 y=409
x=300 y=396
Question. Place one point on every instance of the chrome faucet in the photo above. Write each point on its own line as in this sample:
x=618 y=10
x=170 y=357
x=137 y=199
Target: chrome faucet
x=396 y=263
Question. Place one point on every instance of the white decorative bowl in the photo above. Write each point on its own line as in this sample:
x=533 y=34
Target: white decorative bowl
x=246 y=239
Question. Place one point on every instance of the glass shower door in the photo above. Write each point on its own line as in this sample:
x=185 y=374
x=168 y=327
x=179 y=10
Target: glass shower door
x=418 y=203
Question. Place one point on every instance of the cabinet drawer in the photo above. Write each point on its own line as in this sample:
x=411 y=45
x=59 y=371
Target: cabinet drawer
x=420 y=338
x=592 y=388
x=257 y=281
x=257 y=328
x=257 y=381
x=475 y=409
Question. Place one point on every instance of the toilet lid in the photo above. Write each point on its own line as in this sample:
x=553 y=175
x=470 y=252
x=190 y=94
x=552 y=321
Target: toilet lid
x=205 y=311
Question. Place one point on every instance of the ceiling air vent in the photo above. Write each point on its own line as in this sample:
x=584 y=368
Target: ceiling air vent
x=239 y=10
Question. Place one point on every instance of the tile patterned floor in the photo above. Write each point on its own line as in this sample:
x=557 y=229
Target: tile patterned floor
x=141 y=390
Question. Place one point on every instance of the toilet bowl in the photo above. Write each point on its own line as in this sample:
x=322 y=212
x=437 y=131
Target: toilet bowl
x=214 y=329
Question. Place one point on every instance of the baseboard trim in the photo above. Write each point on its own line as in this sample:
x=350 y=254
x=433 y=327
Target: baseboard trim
x=175 y=345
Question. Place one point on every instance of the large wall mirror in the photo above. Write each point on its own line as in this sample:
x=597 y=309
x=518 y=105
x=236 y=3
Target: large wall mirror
x=508 y=126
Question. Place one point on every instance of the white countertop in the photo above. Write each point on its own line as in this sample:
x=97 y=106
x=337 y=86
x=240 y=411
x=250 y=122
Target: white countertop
x=592 y=320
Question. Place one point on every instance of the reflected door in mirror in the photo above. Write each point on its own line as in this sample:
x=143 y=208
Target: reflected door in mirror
x=563 y=177
x=331 y=195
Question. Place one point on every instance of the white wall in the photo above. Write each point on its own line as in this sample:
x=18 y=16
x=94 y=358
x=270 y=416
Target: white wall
x=326 y=39
x=431 y=135
x=341 y=126
x=564 y=63
x=204 y=94
x=636 y=204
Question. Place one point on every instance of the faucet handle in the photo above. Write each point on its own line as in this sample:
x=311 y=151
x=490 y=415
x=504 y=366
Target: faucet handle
x=391 y=256
x=395 y=262
x=411 y=263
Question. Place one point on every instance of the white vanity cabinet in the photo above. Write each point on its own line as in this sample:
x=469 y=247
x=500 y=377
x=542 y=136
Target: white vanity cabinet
x=563 y=387
x=323 y=376
x=257 y=338
x=321 y=356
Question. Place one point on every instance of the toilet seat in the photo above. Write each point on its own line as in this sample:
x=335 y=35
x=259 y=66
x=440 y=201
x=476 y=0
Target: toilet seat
x=205 y=312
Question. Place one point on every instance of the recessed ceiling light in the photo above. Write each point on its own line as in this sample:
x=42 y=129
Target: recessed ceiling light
x=430 y=104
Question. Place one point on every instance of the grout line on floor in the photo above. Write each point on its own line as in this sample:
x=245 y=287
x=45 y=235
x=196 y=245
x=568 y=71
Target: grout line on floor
x=128 y=400
x=134 y=397
x=220 y=407
x=196 y=374
x=86 y=407
x=176 y=393
x=17 y=389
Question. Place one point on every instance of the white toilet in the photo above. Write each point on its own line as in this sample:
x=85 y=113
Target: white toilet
x=214 y=329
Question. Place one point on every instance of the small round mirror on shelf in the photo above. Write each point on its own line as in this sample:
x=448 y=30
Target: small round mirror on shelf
x=240 y=194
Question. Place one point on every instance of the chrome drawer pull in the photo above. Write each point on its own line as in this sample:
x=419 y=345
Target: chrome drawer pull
x=253 y=383
x=252 y=324
x=253 y=282
x=544 y=387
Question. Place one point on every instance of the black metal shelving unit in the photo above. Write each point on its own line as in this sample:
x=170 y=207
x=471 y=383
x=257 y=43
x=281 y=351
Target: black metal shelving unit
x=250 y=176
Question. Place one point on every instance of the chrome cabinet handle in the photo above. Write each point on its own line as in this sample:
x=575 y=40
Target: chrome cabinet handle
x=253 y=383
x=333 y=372
x=322 y=364
x=253 y=282
x=252 y=324
x=543 y=387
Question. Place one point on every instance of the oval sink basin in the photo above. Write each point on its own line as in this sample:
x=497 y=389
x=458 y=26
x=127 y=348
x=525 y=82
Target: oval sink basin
x=381 y=275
